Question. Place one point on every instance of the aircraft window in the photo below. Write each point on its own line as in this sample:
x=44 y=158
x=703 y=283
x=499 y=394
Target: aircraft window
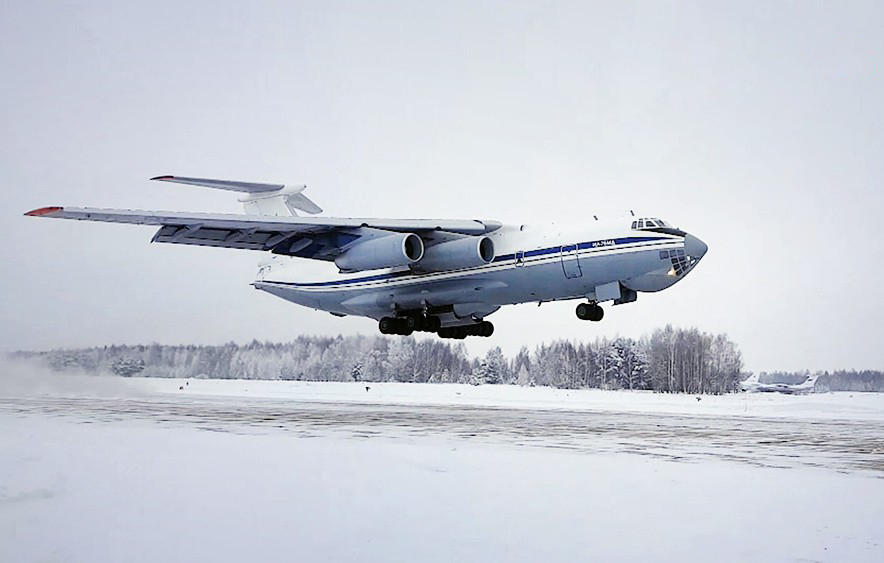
x=664 y=254
x=635 y=224
x=641 y=224
x=650 y=223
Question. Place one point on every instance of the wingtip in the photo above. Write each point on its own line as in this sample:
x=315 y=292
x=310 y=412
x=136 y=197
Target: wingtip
x=44 y=211
x=165 y=177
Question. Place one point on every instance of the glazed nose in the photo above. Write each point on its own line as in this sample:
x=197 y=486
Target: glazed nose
x=694 y=247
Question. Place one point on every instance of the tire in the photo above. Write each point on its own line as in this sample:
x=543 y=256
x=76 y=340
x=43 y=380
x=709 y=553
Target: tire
x=386 y=325
x=597 y=314
x=583 y=311
x=411 y=323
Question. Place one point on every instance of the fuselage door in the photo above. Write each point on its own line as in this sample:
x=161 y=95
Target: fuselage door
x=571 y=262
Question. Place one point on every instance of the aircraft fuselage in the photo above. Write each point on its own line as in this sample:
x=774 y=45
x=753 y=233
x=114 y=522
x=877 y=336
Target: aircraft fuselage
x=599 y=261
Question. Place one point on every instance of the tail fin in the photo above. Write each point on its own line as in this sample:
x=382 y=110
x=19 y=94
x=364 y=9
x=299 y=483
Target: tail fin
x=262 y=199
x=811 y=380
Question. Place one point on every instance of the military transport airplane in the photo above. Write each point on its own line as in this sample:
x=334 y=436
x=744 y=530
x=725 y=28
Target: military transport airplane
x=753 y=385
x=442 y=276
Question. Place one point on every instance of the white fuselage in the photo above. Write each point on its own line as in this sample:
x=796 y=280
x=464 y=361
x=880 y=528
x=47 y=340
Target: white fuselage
x=598 y=261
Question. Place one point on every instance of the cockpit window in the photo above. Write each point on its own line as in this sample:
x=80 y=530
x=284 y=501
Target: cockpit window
x=651 y=223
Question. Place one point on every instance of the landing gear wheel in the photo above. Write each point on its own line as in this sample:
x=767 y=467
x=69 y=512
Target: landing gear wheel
x=486 y=329
x=590 y=312
x=583 y=311
x=432 y=324
x=390 y=325
x=456 y=332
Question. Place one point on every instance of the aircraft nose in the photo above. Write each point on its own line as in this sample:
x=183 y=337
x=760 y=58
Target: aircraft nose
x=694 y=247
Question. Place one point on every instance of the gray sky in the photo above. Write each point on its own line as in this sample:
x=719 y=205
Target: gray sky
x=757 y=127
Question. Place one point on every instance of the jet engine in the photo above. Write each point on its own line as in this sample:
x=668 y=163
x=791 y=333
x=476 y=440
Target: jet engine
x=467 y=252
x=383 y=252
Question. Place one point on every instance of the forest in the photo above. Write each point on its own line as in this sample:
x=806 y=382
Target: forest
x=670 y=360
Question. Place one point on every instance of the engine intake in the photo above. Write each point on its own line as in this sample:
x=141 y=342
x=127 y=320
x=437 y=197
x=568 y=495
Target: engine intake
x=383 y=252
x=467 y=252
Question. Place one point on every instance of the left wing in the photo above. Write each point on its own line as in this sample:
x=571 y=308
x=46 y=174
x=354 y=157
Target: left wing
x=321 y=238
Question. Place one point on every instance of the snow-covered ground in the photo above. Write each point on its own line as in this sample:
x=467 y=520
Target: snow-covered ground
x=105 y=469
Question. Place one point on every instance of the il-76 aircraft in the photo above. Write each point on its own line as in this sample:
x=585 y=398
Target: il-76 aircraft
x=753 y=385
x=442 y=276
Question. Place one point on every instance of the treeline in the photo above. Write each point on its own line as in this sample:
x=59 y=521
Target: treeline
x=669 y=360
x=839 y=380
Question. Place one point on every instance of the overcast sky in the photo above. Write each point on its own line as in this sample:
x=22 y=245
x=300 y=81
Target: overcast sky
x=757 y=127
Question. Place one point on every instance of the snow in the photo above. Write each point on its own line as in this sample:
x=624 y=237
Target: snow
x=853 y=406
x=106 y=469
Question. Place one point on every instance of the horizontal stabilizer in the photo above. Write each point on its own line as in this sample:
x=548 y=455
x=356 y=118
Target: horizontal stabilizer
x=262 y=199
x=244 y=187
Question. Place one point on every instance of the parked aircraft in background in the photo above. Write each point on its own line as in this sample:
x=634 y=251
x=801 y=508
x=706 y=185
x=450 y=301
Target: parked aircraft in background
x=442 y=276
x=752 y=385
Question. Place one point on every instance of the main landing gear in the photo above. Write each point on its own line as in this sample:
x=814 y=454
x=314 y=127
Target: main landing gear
x=590 y=312
x=484 y=329
x=408 y=324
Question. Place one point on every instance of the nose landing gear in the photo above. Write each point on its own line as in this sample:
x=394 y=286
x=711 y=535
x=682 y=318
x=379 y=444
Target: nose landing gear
x=590 y=312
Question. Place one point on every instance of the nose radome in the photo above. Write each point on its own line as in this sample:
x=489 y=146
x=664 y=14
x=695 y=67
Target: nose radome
x=694 y=247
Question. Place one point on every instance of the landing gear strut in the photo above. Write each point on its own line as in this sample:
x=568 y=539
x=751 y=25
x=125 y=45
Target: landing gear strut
x=590 y=312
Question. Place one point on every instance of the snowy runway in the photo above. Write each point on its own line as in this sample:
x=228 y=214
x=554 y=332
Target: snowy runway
x=234 y=470
x=845 y=445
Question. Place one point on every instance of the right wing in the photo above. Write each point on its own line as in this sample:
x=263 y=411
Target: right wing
x=321 y=238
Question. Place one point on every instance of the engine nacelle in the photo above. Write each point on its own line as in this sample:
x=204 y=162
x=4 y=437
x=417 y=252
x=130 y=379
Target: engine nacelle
x=467 y=252
x=383 y=252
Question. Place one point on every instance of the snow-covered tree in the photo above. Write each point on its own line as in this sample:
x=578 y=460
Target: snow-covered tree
x=127 y=366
